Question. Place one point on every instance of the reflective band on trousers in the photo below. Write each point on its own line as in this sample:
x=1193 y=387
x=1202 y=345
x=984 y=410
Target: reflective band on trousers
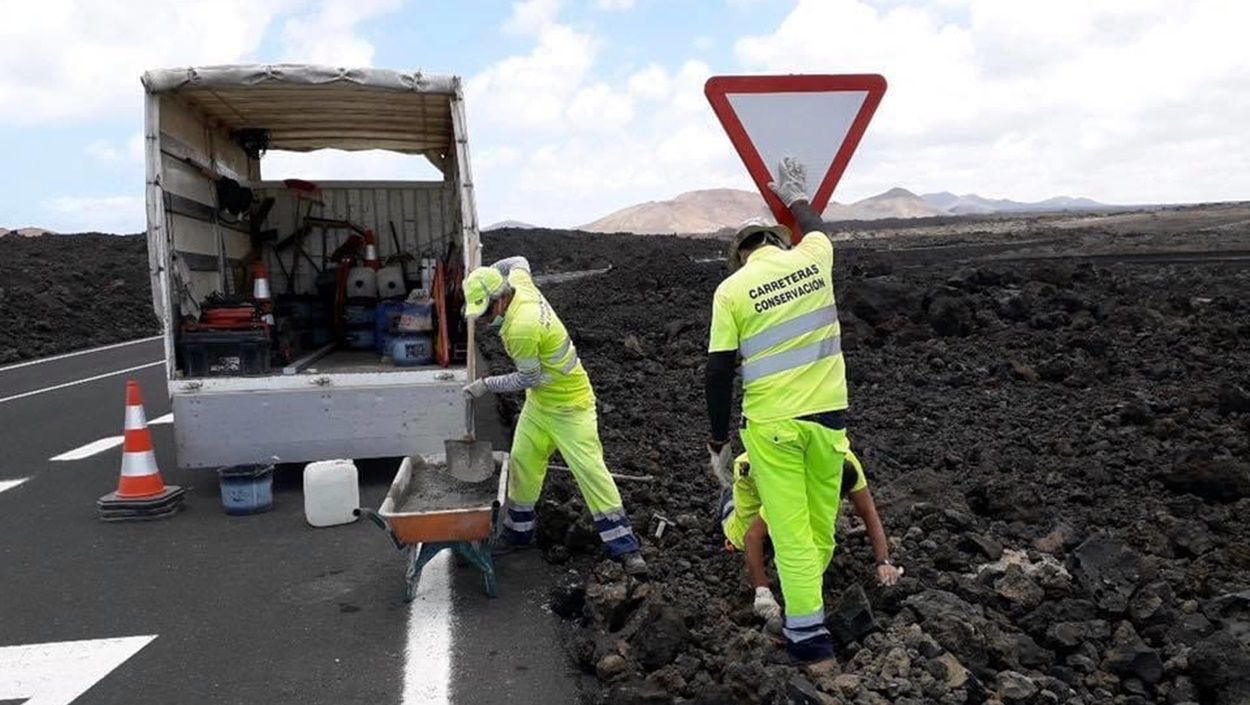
x=782 y=361
x=570 y=365
x=617 y=533
x=793 y=328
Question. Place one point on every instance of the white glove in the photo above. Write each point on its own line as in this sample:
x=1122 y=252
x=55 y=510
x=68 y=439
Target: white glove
x=718 y=462
x=791 y=183
x=475 y=389
x=765 y=606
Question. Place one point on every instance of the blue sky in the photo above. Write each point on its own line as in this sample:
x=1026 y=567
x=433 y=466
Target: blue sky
x=579 y=108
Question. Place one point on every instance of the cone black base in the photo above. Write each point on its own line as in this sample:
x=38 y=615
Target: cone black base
x=110 y=507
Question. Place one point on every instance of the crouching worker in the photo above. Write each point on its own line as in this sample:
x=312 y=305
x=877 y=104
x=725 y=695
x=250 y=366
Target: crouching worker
x=559 y=411
x=745 y=525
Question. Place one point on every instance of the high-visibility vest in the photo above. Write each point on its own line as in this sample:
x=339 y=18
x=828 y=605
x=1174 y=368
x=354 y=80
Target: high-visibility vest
x=534 y=336
x=779 y=312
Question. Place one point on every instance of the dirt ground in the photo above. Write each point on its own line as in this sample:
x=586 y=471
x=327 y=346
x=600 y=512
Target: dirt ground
x=1055 y=422
x=67 y=292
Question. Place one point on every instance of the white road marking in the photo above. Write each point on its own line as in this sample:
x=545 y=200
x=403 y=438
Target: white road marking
x=77 y=382
x=10 y=484
x=427 y=658
x=97 y=447
x=76 y=353
x=58 y=672
x=92 y=448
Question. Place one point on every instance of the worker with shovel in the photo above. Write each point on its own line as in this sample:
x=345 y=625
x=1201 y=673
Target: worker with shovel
x=559 y=412
x=776 y=309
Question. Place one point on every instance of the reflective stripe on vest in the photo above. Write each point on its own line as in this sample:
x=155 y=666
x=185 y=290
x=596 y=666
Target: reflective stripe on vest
x=782 y=361
x=793 y=328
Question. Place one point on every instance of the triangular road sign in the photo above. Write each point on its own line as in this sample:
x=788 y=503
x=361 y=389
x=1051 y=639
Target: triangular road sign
x=816 y=119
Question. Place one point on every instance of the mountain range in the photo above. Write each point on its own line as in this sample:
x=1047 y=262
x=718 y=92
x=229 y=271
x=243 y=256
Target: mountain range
x=24 y=232
x=712 y=210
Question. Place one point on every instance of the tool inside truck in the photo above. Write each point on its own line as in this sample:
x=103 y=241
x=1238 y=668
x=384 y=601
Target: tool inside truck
x=297 y=276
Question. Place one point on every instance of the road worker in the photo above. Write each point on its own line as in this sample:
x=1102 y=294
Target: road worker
x=776 y=309
x=559 y=411
x=746 y=529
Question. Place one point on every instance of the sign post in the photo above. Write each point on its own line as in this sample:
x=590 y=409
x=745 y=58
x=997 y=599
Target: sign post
x=817 y=119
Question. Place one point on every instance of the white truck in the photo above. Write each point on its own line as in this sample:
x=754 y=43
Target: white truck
x=209 y=126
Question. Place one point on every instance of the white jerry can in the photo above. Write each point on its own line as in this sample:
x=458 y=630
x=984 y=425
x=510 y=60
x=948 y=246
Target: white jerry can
x=331 y=492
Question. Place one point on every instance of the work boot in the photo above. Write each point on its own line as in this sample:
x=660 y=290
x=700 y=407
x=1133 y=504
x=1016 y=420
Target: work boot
x=634 y=563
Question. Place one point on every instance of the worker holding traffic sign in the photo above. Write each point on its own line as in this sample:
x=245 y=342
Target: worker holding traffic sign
x=777 y=310
x=559 y=412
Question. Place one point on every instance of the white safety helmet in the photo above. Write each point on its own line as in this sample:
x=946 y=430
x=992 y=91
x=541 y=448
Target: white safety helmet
x=751 y=233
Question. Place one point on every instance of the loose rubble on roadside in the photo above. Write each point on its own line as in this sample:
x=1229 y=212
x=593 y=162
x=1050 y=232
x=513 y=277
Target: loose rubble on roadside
x=1060 y=450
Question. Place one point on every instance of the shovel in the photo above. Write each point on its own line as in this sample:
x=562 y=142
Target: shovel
x=469 y=460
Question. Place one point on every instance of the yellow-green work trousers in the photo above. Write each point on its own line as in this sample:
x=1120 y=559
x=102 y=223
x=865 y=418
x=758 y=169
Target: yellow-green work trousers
x=574 y=431
x=797 y=468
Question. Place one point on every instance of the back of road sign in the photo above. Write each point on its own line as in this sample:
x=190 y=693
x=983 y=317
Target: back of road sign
x=817 y=119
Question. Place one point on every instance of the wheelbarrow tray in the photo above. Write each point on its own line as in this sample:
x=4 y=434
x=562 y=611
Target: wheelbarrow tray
x=459 y=512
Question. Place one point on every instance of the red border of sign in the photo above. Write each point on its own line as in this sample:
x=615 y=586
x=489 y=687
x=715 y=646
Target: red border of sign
x=718 y=88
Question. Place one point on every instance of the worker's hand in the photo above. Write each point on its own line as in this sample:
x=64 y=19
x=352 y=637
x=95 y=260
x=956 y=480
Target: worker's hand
x=765 y=606
x=791 y=183
x=718 y=462
x=888 y=573
x=475 y=389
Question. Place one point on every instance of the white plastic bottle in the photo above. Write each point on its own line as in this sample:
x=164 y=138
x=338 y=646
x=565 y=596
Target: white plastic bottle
x=331 y=492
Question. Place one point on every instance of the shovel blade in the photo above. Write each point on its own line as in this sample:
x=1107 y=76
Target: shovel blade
x=470 y=461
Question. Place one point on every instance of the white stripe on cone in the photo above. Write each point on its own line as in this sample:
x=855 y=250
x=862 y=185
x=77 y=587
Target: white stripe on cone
x=135 y=418
x=138 y=464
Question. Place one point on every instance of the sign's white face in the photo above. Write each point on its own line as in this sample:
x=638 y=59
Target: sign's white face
x=808 y=126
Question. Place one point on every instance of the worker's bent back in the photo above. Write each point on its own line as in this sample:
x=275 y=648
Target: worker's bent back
x=534 y=336
x=779 y=312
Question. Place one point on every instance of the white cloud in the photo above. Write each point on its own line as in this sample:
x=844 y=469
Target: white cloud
x=531 y=16
x=327 y=35
x=77 y=59
x=102 y=150
x=1028 y=101
x=615 y=4
x=533 y=90
x=110 y=214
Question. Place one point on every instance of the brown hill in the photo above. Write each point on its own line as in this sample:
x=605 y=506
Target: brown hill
x=712 y=210
x=25 y=232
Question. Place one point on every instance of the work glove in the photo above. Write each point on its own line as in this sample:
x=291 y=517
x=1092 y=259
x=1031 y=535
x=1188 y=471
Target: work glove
x=719 y=463
x=765 y=606
x=791 y=183
x=475 y=389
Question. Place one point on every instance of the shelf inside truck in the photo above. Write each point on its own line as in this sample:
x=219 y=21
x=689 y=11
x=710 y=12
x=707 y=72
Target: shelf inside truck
x=357 y=361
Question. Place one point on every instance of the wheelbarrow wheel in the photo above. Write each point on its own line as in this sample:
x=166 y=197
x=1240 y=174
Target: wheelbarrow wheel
x=412 y=573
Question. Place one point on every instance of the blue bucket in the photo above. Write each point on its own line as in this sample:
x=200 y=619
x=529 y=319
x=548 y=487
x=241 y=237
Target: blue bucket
x=246 y=489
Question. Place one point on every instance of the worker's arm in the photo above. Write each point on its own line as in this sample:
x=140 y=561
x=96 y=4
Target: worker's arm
x=866 y=508
x=523 y=349
x=722 y=359
x=505 y=266
x=808 y=219
x=753 y=550
x=791 y=188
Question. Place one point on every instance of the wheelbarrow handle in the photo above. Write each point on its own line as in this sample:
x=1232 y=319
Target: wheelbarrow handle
x=380 y=522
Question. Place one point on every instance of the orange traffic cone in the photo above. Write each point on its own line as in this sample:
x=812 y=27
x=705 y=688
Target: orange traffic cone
x=141 y=493
x=261 y=293
x=371 y=252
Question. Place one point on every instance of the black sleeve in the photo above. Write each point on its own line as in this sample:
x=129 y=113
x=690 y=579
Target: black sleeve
x=809 y=220
x=720 y=391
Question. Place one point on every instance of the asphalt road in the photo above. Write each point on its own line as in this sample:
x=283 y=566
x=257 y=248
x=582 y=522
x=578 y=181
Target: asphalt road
x=242 y=609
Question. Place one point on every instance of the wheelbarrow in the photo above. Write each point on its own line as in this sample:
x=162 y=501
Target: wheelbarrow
x=427 y=511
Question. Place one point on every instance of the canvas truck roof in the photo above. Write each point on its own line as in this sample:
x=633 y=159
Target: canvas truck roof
x=306 y=107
